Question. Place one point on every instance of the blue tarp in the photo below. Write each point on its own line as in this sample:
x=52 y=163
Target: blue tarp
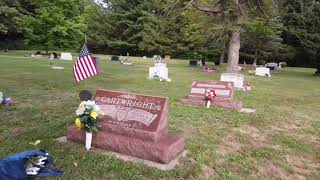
x=14 y=167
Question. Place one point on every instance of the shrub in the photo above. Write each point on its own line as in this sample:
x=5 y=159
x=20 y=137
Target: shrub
x=283 y=64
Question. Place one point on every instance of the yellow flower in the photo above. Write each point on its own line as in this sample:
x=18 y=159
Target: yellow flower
x=79 y=124
x=101 y=113
x=94 y=114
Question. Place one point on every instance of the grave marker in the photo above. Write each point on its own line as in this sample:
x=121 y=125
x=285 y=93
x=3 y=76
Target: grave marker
x=66 y=56
x=223 y=90
x=135 y=125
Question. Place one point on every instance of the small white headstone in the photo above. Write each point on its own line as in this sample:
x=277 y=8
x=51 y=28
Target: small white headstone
x=262 y=71
x=161 y=72
x=66 y=56
x=57 y=67
x=160 y=65
x=272 y=64
x=237 y=79
x=144 y=57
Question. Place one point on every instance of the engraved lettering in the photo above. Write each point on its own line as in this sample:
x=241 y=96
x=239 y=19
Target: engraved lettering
x=129 y=102
x=151 y=105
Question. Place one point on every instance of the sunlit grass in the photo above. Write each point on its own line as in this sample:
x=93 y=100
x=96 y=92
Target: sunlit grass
x=45 y=103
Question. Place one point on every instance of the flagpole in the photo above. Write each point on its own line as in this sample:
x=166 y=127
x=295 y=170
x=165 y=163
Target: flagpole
x=85 y=81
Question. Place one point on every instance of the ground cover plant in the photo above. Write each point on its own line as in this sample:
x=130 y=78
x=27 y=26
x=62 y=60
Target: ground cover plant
x=281 y=140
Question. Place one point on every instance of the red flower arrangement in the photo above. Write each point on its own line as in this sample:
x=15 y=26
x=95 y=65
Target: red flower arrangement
x=210 y=97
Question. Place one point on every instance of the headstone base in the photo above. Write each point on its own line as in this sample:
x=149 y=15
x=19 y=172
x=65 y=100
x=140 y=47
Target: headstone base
x=162 y=151
x=223 y=104
x=164 y=167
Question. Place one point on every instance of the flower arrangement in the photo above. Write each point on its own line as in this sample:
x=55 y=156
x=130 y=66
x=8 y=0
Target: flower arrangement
x=208 y=69
x=87 y=113
x=157 y=77
x=5 y=101
x=210 y=96
x=247 y=86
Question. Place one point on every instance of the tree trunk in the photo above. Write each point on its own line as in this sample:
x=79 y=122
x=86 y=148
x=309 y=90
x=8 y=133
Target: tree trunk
x=255 y=58
x=233 y=52
x=222 y=55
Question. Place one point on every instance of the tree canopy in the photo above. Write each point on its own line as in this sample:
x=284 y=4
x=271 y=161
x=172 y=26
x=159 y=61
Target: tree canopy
x=54 y=24
x=270 y=30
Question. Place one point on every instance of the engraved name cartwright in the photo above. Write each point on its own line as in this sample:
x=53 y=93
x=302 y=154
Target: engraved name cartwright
x=128 y=101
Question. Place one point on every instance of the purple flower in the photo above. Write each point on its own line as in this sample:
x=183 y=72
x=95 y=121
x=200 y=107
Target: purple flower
x=7 y=102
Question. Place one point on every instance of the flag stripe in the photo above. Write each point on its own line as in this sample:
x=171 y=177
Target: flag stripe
x=75 y=73
x=88 y=65
x=94 y=67
x=84 y=67
x=83 y=74
x=78 y=76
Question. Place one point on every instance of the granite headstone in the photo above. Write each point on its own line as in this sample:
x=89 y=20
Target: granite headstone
x=224 y=94
x=135 y=125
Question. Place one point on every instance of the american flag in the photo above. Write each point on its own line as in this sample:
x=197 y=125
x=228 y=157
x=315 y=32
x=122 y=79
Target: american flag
x=85 y=65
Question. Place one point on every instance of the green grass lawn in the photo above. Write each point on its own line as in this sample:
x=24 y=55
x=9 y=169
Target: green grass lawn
x=281 y=140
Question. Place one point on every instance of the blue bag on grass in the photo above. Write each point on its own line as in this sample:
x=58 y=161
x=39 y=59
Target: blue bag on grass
x=35 y=163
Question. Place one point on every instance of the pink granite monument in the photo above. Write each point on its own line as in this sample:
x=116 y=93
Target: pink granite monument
x=224 y=94
x=135 y=125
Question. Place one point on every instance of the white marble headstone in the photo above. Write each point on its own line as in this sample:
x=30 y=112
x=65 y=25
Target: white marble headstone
x=237 y=79
x=160 y=65
x=66 y=56
x=162 y=72
x=262 y=71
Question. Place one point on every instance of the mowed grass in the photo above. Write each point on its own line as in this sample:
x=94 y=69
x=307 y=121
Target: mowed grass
x=280 y=141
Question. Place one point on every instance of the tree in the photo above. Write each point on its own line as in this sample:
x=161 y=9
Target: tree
x=235 y=11
x=301 y=19
x=10 y=13
x=137 y=27
x=203 y=34
x=55 y=24
x=261 y=35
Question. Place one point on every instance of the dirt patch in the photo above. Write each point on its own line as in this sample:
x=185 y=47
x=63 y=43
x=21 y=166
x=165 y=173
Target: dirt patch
x=284 y=127
x=249 y=134
x=312 y=139
x=256 y=137
x=249 y=130
x=229 y=145
x=302 y=165
x=207 y=173
x=16 y=131
x=272 y=171
x=295 y=131
x=188 y=132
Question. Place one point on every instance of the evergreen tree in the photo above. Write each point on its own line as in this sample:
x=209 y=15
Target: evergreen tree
x=301 y=19
x=261 y=36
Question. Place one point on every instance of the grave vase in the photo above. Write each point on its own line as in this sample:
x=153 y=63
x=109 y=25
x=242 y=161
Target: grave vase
x=88 y=140
x=208 y=104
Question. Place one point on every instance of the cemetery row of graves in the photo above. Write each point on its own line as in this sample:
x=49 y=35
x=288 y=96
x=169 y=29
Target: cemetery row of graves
x=148 y=117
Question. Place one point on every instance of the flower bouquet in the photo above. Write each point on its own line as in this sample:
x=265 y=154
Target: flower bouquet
x=208 y=69
x=210 y=97
x=87 y=113
x=247 y=86
x=157 y=77
x=5 y=101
